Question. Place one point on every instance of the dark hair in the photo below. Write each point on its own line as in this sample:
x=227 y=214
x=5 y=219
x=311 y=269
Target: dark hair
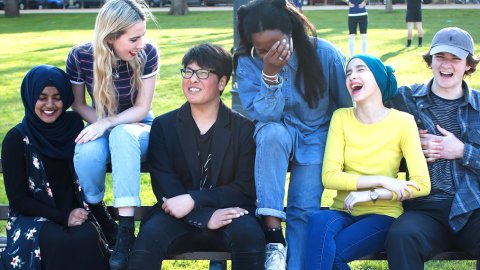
x=212 y=57
x=472 y=61
x=261 y=15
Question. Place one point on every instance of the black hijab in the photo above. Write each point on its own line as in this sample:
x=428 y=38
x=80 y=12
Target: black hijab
x=57 y=139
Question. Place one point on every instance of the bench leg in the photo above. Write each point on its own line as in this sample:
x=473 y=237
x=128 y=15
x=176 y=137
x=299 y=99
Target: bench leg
x=218 y=265
x=478 y=264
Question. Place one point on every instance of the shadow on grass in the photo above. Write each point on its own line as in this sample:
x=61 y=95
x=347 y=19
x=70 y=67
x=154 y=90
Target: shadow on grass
x=52 y=48
x=392 y=54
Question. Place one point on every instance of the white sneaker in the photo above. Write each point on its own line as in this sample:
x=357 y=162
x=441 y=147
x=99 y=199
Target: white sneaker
x=275 y=257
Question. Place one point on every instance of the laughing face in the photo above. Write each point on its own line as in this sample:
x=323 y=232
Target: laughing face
x=130 y=43
x=202 y=91
x=49 y=105
x=264 y=41
x=360 y=81
x=448 y=70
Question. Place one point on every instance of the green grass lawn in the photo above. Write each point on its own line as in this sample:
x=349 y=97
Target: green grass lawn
x=35 y=39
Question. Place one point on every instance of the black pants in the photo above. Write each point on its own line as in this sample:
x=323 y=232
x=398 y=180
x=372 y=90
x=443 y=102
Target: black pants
x=162 y=235
x=360 y=21
x=72 y=248
x=423 y=231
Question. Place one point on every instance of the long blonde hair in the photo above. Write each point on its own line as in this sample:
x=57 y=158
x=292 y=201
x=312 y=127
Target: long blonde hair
x=113 y=20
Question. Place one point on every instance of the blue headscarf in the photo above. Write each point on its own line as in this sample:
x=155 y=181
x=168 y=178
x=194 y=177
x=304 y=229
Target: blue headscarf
x=384 y=76
x=57 y=139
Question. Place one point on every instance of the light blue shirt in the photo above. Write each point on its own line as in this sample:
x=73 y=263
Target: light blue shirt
x=282 y=102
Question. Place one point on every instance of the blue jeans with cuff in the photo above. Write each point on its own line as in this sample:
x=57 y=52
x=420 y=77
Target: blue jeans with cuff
x=274 y=149
x=125 y=147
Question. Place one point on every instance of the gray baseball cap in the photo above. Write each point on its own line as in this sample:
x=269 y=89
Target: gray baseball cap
x=452 y=40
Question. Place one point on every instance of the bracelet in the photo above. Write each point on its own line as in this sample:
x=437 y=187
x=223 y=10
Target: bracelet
x=272 y=77
x=274 y=81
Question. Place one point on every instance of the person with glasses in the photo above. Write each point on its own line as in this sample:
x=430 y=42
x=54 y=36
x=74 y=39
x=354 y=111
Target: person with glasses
x=289 y=83
x=201 y=158
x=118 y=70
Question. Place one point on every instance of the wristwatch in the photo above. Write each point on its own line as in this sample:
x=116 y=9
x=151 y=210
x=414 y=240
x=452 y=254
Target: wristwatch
x=373 y=195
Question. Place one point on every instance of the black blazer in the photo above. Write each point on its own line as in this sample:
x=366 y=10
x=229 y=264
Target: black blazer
x=175 y=169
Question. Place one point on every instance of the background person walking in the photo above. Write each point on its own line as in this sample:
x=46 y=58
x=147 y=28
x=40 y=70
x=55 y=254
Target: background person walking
x=414 y=16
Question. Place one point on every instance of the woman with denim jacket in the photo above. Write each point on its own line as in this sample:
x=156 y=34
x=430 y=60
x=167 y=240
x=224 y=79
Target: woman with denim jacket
x=290 y=84
x=118 y=70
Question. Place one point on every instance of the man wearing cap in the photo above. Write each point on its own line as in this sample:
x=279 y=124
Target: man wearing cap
x=447 y=113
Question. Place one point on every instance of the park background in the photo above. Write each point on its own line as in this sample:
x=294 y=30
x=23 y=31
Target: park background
x=46 y=38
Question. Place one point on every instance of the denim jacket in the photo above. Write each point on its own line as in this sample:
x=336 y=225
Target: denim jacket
x=466 y=171
x=283 y=104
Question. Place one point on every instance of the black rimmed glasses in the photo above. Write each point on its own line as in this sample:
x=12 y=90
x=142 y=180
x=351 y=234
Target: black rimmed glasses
x=202 y=74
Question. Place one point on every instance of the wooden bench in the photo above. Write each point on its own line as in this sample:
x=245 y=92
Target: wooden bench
x=218 y=259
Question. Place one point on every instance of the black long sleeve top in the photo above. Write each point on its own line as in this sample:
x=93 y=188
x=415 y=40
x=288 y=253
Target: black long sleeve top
x=59 y=174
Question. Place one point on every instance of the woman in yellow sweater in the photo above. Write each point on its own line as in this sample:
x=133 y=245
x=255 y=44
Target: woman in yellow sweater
x=364 y=148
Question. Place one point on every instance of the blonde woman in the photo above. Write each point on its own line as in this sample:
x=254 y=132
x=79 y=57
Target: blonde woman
x=118 y=70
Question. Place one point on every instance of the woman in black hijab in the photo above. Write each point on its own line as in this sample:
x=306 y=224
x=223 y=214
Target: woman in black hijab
x=48 y=226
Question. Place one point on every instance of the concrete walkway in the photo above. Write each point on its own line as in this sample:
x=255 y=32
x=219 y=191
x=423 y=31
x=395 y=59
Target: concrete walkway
x=230 y=8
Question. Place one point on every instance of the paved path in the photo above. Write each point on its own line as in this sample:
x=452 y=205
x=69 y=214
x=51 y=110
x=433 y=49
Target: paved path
x=230 y=8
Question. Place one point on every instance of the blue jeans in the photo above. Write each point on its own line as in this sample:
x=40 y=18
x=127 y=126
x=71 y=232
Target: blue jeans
x=274 y=149
x=125 y=146
x=335 y=238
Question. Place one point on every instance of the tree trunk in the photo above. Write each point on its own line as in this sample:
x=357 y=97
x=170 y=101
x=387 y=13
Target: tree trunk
x=388 y=6
x=178 y=7
x=11 y=8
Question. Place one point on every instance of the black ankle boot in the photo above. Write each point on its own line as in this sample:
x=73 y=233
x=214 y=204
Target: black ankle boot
x=107 y=224
x=123 y=245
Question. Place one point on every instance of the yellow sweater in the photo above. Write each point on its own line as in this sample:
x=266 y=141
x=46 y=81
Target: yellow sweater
x=354 y=149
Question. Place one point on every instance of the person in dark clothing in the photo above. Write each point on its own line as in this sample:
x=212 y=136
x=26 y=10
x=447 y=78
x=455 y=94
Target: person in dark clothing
x=414 y=16
x=201 y=158
x=357 y=16
x=48 y=226
x=447 y=112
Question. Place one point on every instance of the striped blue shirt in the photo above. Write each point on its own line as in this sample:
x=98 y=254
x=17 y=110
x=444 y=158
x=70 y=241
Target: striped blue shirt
x=465 y=171
x=80 y=71
x=443 y=113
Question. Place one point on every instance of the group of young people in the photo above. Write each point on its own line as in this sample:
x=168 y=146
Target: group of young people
x=219 y=177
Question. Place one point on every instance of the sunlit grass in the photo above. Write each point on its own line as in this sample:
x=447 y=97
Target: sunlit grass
x=35 y=39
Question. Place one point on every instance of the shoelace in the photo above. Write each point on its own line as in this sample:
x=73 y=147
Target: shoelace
x=276 y=257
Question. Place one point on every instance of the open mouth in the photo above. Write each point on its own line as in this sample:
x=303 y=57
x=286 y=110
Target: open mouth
x=49 y=112
x=194 y=89
x=356 y=87
x=446 y=74
x=133 y=53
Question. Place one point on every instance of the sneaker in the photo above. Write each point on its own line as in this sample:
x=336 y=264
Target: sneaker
x=275 y=257
x=119 y=258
